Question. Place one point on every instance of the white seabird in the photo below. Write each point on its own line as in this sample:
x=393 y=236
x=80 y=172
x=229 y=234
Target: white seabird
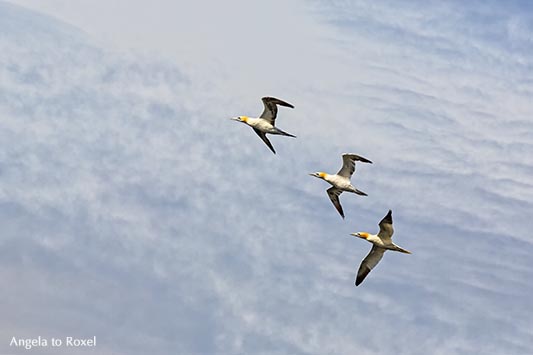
x=341 y=181
x=266 y=122
x=382 y=242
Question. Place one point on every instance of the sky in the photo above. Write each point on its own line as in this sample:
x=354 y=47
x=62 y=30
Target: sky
x=133 y=210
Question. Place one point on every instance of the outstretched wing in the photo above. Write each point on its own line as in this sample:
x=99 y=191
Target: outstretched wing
x=385 y=228
x=334 y=194
x=369 y=262
x=348 y=164
x=271 y=109
x=263 y=136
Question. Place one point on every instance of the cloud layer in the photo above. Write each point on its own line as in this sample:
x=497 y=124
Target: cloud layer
x=134 y=210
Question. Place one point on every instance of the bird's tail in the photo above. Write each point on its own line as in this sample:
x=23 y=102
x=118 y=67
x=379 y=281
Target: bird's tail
x=359 y=192
x=280 y=132
x=402 y=250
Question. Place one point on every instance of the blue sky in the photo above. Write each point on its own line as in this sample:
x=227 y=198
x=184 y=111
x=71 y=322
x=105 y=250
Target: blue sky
x=133 y=209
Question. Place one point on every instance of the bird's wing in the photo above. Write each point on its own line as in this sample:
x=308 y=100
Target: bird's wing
x=271 y=109
x=368 y=263
x=348 y=164
x=334 y=194
x=263 y=136
x=385 y=228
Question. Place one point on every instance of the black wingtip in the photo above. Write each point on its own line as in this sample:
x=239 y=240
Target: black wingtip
x=286 y=104
x=364 y=160
x=388 y=217
x=277 y=101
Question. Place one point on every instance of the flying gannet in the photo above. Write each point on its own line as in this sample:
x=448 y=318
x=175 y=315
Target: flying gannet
x=266 y=122
x=341 y=181
x=382 y=242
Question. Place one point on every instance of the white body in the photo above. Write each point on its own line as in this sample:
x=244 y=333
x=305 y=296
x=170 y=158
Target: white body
x=340 y=182
x=385 y=243
x=262 y=125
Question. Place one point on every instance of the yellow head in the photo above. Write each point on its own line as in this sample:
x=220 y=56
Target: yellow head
x=319 y=174
x=240 y=119
x=362 y=235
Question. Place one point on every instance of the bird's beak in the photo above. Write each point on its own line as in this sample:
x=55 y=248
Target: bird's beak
x=234 y=118
x=313 y=174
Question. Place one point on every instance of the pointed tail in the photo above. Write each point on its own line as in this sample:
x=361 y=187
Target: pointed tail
x=359 y=192
x=280 y=132
x=401 y=250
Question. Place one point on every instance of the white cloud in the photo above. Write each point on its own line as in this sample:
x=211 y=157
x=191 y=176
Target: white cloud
x=118 y=207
